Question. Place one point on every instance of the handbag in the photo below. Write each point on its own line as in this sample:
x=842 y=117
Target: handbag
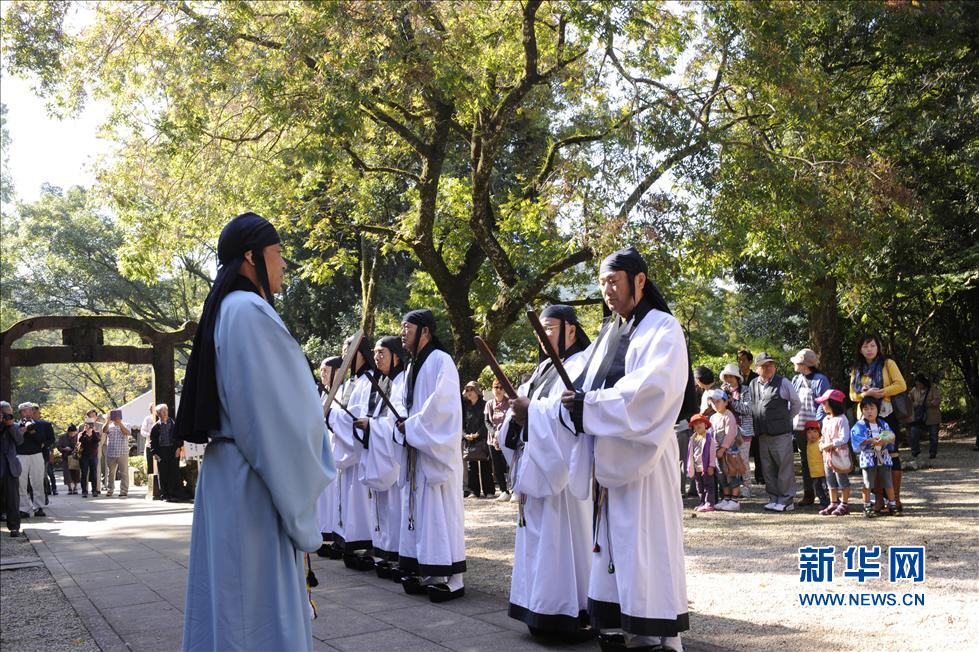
x=733 y=466
x=902 y=408
x=921 y=411
x=476 y=451
x=840 y=460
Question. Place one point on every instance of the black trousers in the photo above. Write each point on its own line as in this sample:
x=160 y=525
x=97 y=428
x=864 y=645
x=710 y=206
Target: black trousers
x=481 y=471
x=799 y=437
x=10 y=491
x=755 y=452
x=169 y=470
x=499 y=469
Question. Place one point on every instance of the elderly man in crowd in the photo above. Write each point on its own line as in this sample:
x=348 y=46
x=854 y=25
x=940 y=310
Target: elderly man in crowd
x=774 y=402
x=32 y=462
x=11 y=436
x=116 y=454
x=166 y=453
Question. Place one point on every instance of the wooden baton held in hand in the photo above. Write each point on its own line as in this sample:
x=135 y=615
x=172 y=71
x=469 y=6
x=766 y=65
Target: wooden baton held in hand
x=495 y=366
x=342 y=371
x=549 y=349
x=384 y=397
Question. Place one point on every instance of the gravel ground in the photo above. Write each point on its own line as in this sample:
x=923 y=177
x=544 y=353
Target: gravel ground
x=743 y=576
x=34 y=613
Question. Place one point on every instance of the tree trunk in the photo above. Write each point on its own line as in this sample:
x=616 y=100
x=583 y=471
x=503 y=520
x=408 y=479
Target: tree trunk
x=370 y=265
x=824 y=330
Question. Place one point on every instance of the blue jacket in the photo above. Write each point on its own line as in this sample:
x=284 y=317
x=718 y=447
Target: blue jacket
x=860 y=441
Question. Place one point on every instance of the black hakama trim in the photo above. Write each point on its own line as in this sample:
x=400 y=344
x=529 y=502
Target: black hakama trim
x=354 y=546
x=411 y=565
x=548 y=622
x=386 y=555
x=608 y=615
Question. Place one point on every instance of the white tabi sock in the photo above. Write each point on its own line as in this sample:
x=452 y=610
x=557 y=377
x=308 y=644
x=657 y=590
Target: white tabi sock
x=455 y=582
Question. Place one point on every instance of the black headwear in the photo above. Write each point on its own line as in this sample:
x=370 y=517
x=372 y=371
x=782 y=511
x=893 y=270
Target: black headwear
x=630 y=261
x=567 y=315
x=334 y=362
x=199 y=411
x=393 y=344
x=422 y=318
x=365 y=351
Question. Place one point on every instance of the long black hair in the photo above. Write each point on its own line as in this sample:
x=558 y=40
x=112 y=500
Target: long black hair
x=858 y=360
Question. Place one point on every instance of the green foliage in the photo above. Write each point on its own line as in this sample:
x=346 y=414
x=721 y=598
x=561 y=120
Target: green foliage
x=138 y=464
x=516 y=372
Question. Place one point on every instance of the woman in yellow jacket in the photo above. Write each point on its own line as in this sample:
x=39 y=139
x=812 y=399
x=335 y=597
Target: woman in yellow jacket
x=875 y=375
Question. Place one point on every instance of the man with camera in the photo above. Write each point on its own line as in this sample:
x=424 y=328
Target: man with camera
x=10 y=437
x=32 y=462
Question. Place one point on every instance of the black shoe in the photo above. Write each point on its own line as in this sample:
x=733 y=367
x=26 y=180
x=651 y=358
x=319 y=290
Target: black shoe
x=25 y=515
x=616 y=643
x=412 y=585
x=442 y=593
x=40 y=512
x=383 y=570
x=14 y=534
x=931 y=457
x=324 y=550
x=335 y=552
x=397 y=575
x=84 y=495
x=363 y=562
x=350 y=561
x=559 y=636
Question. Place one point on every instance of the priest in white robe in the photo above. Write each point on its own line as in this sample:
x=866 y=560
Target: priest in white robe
x=326 y=504
x=629 y=398
x=432 y=544
x=380 y=464
x=249 y=391
x=349 y=446
x=550 y=467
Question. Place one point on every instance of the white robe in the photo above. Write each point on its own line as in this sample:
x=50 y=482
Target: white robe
x=380 y=466
x=432 y=539
x=640 y=535
x=255 y=509
x=326 y=504
x=552 y=473
x=353 y=529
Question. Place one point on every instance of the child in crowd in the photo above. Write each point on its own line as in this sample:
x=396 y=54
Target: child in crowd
x=734 y=385
x=873 y=439
x=725 y=428
x=835 y=437
x=701 y=462
x=815 y=458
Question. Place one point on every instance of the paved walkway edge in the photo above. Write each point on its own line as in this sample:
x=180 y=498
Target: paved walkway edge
x=102 y=632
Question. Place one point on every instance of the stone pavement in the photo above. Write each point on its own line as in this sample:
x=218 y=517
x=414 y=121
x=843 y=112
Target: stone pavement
x=122 y=563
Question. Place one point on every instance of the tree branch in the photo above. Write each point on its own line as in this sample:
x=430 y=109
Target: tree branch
x=654 y=175
x=363 y=167
x=379 y=116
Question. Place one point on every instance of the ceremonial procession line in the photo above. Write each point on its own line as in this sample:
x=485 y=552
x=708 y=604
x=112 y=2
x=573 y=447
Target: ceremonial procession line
x=123 y=567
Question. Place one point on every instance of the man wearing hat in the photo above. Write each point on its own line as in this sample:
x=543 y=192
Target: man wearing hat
x=380 y=465
x=774 y=403
x=248 y=392
x=551 y=466
x=432 y=542
x=810 y=384
x=628 y=398
x=350 y=443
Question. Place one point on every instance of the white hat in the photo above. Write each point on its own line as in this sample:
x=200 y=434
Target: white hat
x=732 y=370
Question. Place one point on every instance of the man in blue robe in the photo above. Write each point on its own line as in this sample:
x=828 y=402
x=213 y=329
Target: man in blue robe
x=250 y=394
